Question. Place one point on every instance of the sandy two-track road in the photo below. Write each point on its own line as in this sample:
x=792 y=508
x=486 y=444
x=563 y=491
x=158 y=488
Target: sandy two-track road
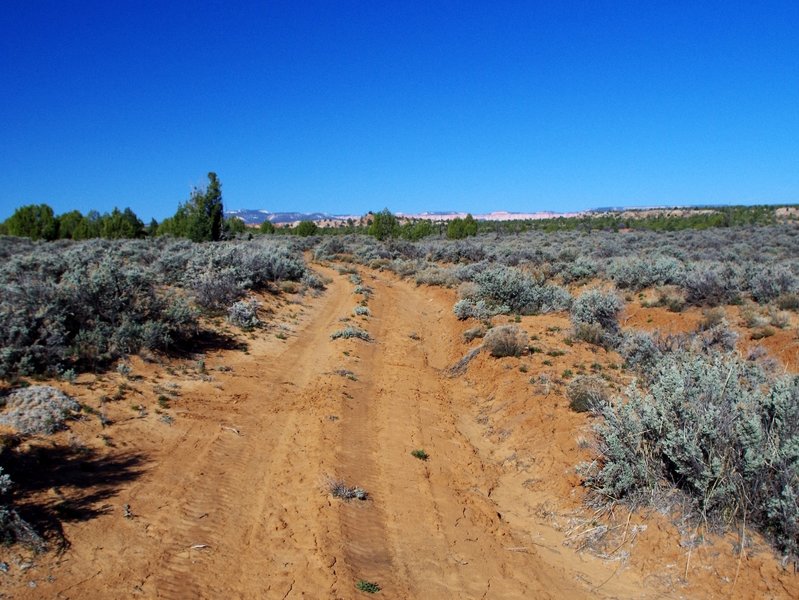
x=231 y=501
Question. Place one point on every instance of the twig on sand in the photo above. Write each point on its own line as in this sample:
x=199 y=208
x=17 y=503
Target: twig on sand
x=740 y=554
x=198 y=546
x=233 y=429
x=459 y=368
x=624 y=537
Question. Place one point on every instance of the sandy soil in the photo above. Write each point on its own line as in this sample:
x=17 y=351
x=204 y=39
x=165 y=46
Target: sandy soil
x=230 y=499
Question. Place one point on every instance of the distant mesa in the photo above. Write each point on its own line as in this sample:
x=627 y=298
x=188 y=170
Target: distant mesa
x=498 y=215
x=254 y=217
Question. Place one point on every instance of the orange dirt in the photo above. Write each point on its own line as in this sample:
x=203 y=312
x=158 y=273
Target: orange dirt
x=229 y=501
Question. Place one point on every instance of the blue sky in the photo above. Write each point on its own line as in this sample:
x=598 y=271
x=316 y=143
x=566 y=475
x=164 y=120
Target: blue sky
x=349 y=106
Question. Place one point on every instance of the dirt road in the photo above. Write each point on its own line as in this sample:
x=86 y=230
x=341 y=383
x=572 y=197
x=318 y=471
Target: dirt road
x=231 y=502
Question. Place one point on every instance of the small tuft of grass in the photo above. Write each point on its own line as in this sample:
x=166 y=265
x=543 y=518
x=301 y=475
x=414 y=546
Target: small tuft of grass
x=420 y=454
x=163 y=401
x=339 y=489
x=346 y=373
x=350 y=332
x=764 y=332
x=370 y=587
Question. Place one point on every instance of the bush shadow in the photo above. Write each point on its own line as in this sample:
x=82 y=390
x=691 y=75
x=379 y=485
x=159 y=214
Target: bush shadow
x=57 y=484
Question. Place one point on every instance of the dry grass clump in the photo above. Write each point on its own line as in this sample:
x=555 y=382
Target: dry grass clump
x=506 y=340
x=339 y=489
x=586 y=393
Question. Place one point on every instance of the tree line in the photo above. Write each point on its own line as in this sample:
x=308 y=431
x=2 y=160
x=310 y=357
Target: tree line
x=201 y=218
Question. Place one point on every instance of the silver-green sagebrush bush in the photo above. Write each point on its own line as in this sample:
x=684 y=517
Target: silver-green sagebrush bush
x=81 y=305
x=715 y=428
x=637 y=274
x=521 y=293
x=595 y=317
x=38 y=409
x=479 y=309
x=244 y=314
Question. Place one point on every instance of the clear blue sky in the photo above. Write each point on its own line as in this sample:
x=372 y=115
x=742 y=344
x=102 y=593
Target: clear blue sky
x=349 y=106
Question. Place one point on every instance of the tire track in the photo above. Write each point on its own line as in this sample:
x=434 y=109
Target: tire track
x=240 y=495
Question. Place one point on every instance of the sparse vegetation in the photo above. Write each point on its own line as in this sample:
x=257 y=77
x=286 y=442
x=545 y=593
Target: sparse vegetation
x=370 y=587
x=339 y=489
x=420 y=454
x=700 y=427
x=349 y=332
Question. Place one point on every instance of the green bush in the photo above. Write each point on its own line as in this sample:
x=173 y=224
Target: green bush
x=420 y=454
x=370 y=587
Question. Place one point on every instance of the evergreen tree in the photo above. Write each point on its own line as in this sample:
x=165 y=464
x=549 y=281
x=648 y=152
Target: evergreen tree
x=232 y=227
x=384 y=225
x=206 y=212
x=89 y=227
x=306 y=228
x=469 y=225
x=267 y=227
x=418 y=230
x=200 y=219
x=458 y=228
x=121 y=225
x=35 y=221
x=152 y=229
x=68 y=224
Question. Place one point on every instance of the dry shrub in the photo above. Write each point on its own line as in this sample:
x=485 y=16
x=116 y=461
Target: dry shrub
x=586 y=393
x=506 y=340
x=711 y=318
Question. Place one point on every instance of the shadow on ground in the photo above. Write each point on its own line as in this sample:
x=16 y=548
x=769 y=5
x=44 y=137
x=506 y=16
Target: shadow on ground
x=57 y=484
